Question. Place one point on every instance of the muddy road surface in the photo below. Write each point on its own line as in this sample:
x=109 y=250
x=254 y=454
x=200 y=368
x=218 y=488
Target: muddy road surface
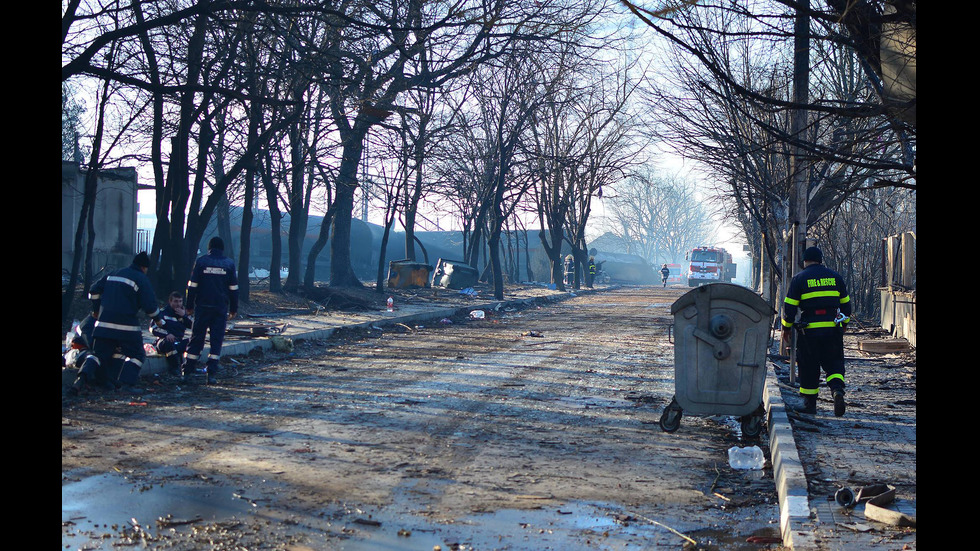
x=533 y=428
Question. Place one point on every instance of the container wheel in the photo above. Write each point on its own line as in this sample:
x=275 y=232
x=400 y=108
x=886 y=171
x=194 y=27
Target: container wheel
x=751 y=426
x=670 y=420
x=752 y=423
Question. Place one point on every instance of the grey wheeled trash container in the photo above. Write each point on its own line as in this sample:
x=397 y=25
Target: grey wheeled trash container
x=720 y=335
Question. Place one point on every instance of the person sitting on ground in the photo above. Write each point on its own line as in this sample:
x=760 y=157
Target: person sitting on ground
x=171 y=340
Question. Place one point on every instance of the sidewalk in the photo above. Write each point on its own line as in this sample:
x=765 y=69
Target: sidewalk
x=872 y=444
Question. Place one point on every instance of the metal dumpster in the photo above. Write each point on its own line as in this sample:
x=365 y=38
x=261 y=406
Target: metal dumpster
x=454 y=274
x=405 y=274
x=721 y=332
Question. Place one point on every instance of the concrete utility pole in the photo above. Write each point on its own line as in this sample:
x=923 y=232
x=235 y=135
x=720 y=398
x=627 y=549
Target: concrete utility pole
x=799 y=183
x=799 y=189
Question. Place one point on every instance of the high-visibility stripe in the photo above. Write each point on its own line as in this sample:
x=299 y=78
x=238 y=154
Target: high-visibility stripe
x=213 y=357
x=786 y=323
x=118 y=326
x=815 y=324
x=809 y=391
x=233 y=287
x=190 y=356
x=845 y=299
x=835 y=376
x=124 y=280
x=792 y=301
x=816 y=294
x=192 y=284
x=94 y=297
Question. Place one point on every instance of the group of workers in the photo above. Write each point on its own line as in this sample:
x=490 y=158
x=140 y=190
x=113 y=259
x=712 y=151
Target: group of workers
x=569 y=272
x=108 y=348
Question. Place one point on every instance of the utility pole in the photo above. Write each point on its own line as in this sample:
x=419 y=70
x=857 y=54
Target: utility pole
x=798 y=173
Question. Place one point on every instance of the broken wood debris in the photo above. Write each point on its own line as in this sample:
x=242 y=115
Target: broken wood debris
x=884 y=346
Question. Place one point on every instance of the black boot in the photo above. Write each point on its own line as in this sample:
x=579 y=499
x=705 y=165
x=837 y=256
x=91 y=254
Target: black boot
x=809 y=405
x=173 y=366
x=76 y=387
x=839 y=405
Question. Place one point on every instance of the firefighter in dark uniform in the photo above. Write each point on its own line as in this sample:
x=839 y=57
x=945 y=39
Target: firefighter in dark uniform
x=171 y=340
x=592 y=271
x=118 y=335
x=212 y=299
x=664 y=274
x=820 y=296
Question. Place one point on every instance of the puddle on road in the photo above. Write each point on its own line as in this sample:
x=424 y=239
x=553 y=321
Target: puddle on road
x=572 y=526
x=104 y=504
x=96 y=510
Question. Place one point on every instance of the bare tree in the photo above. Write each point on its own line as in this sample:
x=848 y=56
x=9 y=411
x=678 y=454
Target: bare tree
x=659 y=216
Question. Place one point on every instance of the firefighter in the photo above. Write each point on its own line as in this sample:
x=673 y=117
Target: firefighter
x=592 y=271
x=820 y=296
x=664 y=274
x=212 y=300
x=171 y=340
x=569 y=270
x=117 y=335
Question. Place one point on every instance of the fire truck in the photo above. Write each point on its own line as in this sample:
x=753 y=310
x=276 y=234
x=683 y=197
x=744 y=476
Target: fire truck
x=710 y=265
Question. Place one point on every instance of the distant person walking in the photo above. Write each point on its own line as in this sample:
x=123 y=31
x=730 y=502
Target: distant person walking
x=664 y=274
x=820 y=296
x=116 y=300
x=212 y=300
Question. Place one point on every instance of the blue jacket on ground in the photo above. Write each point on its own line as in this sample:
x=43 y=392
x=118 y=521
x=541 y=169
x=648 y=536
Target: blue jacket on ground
x=213 y=283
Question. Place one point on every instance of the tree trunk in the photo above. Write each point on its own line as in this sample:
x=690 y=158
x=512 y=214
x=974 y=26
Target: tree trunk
x=275 y=220
x=341 y=270
x=245 y=237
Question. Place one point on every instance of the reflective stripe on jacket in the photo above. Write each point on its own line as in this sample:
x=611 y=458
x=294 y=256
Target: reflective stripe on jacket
x=118 y=297
x=213 y=283
x=818 y=293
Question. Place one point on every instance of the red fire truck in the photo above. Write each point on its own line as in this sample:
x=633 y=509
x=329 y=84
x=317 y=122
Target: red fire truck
x=710 y=265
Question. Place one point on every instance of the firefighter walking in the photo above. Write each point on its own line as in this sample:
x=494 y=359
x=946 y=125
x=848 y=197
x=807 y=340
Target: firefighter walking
x=820 y=296
x=212 y=300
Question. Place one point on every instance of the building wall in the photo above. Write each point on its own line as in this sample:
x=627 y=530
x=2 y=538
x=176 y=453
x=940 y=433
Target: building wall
x=114 y=218
x=898 y=296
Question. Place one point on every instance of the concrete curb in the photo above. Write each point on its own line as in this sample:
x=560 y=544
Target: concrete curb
x=796 y=526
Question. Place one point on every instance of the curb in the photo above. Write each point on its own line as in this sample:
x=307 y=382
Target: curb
x=796 y=526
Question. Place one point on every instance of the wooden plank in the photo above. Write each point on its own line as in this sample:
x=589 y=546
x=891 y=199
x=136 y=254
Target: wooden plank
x=884 y=346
